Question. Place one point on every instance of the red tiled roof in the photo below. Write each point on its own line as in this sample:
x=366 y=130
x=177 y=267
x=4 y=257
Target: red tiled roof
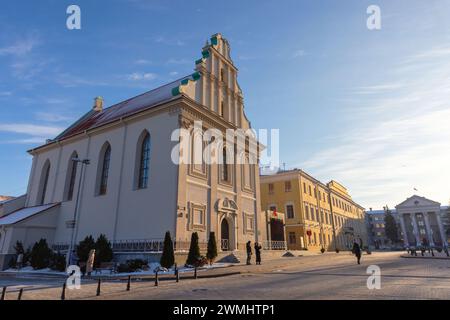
x=128 y=107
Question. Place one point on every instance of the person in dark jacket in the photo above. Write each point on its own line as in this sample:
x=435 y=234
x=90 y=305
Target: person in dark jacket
x=249 y=252
x=258 y=252
x=357 y=251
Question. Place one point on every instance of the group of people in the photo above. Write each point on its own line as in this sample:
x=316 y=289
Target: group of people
x=257 y=252
x=356 y=250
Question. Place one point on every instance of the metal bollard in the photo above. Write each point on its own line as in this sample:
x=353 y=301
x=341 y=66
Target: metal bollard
x=98 y=287
x=156 y=279
x=19 y=297
x=195 y=273
x=3 y=293
x=129 y=283
x=63 y=293
x=177 y=275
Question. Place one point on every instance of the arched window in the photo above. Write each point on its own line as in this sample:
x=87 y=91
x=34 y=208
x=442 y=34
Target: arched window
x=71 y=176
x=105 y=170
x=44 y=182
x=144 y=163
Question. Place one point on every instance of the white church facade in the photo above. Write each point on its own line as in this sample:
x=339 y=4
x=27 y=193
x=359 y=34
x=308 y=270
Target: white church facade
x=125 y=184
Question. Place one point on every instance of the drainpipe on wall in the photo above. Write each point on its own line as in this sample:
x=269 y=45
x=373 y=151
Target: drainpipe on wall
x=332 y=220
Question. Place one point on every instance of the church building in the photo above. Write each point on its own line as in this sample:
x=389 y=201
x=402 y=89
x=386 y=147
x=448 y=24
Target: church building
x=112 y=171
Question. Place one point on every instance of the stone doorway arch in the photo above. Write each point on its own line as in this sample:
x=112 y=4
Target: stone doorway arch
x=227 y=224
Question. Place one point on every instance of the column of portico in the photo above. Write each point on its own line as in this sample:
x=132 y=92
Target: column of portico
x=429 y=231
x=441 y=229
x=405 y=235
x=416 y=228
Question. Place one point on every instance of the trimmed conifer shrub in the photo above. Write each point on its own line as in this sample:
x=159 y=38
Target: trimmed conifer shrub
x=84 y=247
x=103 y=251
x=168 y=255
x=41 y=255
x=58 y=262
x=212 y=248
x=194 y=250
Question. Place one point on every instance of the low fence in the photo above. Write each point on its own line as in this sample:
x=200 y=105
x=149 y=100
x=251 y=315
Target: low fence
x=274 y=245
x=141 y=245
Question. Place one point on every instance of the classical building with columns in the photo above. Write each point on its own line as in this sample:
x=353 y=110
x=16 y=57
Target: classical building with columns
x=124 y=182
x=421 y=222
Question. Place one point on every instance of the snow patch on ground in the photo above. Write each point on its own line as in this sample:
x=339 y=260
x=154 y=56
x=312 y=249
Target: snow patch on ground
x=150 y=271
x=31 y=270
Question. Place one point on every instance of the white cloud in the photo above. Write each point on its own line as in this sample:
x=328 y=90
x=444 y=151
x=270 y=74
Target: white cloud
x=20 y=47
x=299 y=53
x=31 y=129
x=376 y=89
x=5 y=93
x=140 y=76
x=52 y=117
x=169 y=41
x=397 y=141
x=143 y=62
x=32 y=140
x=68 y=80
x=178 y=61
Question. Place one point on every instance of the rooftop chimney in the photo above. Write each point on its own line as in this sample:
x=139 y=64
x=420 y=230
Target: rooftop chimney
x=98 y=104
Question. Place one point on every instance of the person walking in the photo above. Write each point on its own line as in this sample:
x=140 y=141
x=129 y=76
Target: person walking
x=249 y=252
x=258 y=253
x=357 y=251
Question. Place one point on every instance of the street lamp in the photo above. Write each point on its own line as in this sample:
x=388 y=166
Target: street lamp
x=72 y=224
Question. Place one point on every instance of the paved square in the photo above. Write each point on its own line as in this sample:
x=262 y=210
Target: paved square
x=329 y=276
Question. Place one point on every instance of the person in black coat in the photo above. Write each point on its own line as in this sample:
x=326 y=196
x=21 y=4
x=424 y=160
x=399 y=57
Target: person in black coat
x=258 y=252
x=357 y=251
x=249 y=252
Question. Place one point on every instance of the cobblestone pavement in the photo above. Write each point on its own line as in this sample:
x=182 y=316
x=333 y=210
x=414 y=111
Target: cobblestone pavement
x=329 y=276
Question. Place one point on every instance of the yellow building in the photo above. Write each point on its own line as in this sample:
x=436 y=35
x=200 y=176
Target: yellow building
x=317 y=215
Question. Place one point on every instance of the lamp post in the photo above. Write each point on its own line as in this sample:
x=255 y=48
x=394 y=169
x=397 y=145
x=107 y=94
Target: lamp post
x=75 y=213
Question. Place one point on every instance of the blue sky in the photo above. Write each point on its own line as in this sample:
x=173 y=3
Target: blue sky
x=367 y=108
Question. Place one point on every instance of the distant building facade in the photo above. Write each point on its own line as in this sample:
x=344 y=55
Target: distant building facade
x=317 y=215
x=376 y=228
x=423 y=222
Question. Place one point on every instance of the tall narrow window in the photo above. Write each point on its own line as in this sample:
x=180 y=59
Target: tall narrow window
x=105 y=171
x=73 y=173
x=225 y=173
x=45 y=176
x=290 y=211
x=144 y=163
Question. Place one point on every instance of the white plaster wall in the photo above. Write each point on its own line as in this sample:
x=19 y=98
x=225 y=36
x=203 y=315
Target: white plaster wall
x=141 y=214
x=149 y=213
